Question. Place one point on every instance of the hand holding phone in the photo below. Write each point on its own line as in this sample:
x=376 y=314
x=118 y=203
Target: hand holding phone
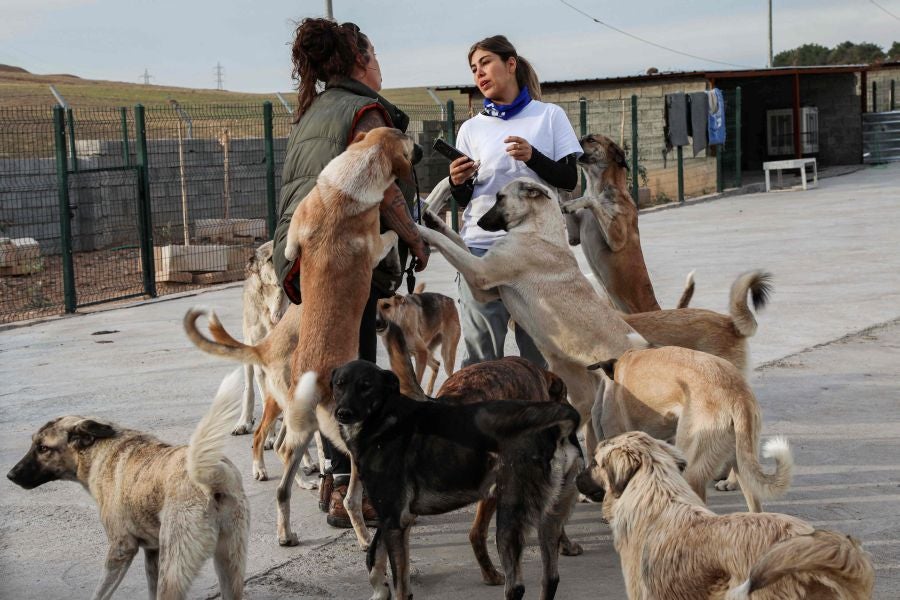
x=445 y=149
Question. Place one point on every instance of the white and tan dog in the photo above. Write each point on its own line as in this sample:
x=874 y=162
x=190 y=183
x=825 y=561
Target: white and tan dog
x=535 y=272
x=672 y=546
x=703 y=405
x=181 y=504
x=263 y=304
x=335 y=234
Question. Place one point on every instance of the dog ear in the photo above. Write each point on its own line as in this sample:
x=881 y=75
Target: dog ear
x=86 y=431
x=676 y=455
x=359 y=137
x=556 y=388
x=620 y=464
x=608 y=367
x=391 y=382
x=617 y=155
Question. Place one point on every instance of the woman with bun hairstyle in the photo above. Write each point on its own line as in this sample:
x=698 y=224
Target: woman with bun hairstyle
x=516 y=135
x=339 y=79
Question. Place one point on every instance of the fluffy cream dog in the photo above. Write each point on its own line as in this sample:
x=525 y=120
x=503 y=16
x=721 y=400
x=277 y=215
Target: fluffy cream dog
x=673 y=548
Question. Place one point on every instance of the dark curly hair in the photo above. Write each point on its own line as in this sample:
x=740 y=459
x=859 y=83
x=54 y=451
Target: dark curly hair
x=322 y=50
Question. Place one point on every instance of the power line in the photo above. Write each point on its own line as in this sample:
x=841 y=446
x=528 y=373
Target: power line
x=884 y=9
x=654 y=44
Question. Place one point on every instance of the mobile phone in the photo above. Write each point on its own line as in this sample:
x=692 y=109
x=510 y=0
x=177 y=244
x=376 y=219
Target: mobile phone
x=447 y=150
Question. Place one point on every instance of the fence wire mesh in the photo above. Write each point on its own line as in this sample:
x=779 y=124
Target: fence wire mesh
x=206 y=190
x=30 y=267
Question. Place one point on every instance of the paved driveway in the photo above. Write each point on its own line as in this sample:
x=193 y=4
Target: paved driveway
x=832 y=390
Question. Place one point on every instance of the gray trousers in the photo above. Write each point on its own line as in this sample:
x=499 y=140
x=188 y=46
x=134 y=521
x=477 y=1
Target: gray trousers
x=484 y=327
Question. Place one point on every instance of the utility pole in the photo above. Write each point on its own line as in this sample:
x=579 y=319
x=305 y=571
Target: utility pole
x=146 y=76
x=329 y=13
x=219 y=81
x=771 y=61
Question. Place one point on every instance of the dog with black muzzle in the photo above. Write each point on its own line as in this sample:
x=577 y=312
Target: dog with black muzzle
x=181 y=504
x=426 y=458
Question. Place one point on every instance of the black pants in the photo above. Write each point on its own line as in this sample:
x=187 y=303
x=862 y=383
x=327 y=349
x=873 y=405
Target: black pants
x=368 y=349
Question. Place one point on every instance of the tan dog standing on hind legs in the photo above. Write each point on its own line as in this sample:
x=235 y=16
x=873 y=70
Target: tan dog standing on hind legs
x=335 y=234
x=672 y=546
x=181 y=504
x=535 y=272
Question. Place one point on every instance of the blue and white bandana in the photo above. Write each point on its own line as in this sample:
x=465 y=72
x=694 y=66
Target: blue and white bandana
x=508 y=111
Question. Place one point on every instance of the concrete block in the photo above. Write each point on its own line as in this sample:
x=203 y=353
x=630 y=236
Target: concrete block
x=200 y=257
x=252 y=228
x=20 y=256
x=216 y=230
x=220 y=277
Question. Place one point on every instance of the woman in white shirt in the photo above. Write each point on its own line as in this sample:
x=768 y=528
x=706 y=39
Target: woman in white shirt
x=516 y=135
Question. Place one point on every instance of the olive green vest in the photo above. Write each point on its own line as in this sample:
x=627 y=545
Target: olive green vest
x=322 y=133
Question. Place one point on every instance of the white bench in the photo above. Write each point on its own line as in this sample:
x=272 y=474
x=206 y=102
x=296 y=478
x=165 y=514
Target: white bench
x=796 y=163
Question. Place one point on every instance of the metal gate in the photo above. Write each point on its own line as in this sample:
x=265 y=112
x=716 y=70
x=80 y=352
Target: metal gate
x=107 y=248
x=881 y=137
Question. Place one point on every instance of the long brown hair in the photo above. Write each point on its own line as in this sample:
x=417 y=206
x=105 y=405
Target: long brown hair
x=502 y=47
x=322 y=50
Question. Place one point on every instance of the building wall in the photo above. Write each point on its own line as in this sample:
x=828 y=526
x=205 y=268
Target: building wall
x=882 y=79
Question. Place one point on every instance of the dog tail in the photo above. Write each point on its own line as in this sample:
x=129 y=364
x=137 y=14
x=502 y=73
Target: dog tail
x=401 y=364
x=204 y=453
x=222 y=344
x=759 y=285
x=746 y=433
x=688 y=292
x=837 y=561
x=504 y=419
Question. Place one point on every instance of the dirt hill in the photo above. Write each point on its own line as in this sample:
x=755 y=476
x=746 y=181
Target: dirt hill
x=18 y=87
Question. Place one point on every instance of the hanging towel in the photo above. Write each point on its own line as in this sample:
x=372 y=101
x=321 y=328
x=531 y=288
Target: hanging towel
x=716 y=127
x=699 y=108
x=676 y=119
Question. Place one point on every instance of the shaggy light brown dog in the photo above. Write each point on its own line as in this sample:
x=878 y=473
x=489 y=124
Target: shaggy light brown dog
x=181 y=504
x=673 y=547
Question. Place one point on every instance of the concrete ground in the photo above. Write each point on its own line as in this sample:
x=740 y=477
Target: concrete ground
x=828 y=365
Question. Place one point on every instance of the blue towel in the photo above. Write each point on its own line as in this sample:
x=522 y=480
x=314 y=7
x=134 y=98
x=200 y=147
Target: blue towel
x=716 y=128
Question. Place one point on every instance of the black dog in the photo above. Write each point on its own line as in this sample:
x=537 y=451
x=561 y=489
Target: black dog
x=425 y=458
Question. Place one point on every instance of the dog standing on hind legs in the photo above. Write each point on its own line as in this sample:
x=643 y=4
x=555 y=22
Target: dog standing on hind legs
x=181 y=504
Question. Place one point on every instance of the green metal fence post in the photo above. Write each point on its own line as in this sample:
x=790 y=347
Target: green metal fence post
x=270 y=167
x=892 y=105
x=71 y=123
x=451 y=139
x=65 y=210
x=126 y=153
x=582 y=121
x=145 y=217
x=874 y=96
x=720 y=176
x=737 y=137
x=634 y=150
x=679 y=152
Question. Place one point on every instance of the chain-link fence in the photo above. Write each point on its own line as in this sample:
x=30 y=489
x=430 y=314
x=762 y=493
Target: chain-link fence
x=170 y=198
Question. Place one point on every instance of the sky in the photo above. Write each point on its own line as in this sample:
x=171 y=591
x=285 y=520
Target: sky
x=419 y=43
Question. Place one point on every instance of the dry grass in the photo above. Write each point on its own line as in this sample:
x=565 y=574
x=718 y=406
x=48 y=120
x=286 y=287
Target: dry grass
x=19 y=88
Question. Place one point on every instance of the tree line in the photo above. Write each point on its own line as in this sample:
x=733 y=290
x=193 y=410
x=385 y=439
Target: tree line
x=846 y=53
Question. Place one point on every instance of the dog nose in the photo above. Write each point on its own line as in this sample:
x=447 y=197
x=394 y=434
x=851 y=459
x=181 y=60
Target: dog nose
x=344 y=415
